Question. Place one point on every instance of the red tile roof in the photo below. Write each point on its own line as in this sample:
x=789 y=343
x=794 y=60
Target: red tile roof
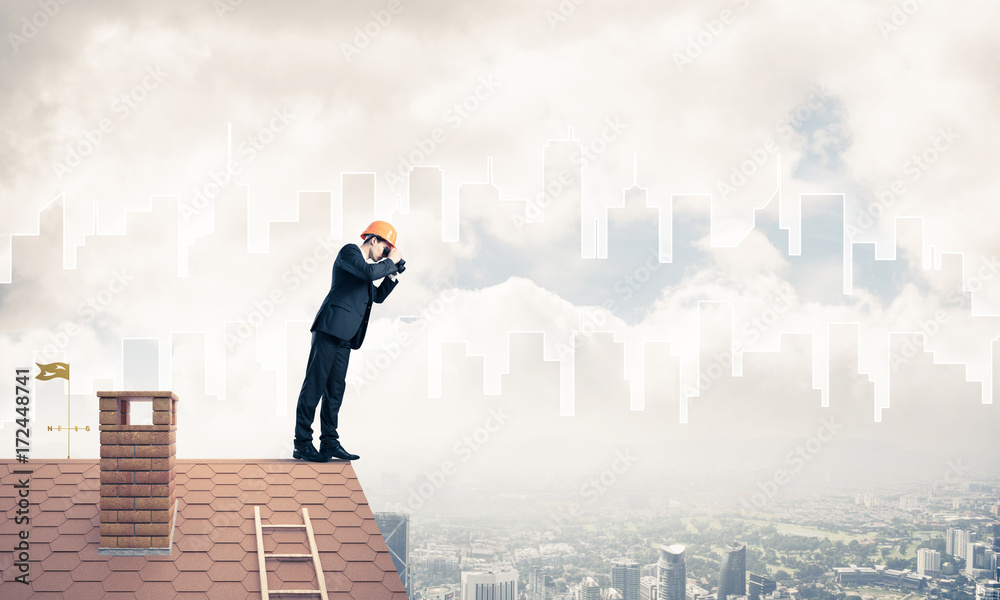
x=214 y=554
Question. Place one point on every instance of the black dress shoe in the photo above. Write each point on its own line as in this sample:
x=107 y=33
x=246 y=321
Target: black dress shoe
x=309 y=453
x=337 y=451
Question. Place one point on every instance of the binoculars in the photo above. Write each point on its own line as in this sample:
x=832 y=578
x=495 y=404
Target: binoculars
x=401 y=265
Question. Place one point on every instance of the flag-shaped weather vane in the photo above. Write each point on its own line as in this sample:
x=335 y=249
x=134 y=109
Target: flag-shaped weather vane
x=53 y=370
x=60 y=370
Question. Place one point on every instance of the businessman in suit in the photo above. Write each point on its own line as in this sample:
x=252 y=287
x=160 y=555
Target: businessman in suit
x=339 y=327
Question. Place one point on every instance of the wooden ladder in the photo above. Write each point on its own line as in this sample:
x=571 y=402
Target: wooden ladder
x=313 y=554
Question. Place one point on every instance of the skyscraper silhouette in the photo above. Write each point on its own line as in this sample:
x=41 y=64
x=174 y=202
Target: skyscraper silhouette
x=760 y=585
x=625 y=578
x=395 y=528
x=733 y=573
x=589 y=589
x=671 y=573
x=498 y=585
x=541 y=584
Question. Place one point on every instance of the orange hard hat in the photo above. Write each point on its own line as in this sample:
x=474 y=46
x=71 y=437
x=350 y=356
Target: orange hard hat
x=382 y=229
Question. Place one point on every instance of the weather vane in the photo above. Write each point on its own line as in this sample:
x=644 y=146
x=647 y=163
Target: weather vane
x=51 y=371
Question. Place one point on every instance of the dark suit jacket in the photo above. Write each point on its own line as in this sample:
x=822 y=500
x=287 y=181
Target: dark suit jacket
x=345 y=310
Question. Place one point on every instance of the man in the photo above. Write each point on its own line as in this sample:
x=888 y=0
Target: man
x=338 y=328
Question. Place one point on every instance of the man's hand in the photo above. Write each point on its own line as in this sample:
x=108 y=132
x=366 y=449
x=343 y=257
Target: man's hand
x=395 y=255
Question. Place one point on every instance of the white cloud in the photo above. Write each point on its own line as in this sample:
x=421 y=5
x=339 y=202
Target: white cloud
x=883 y=101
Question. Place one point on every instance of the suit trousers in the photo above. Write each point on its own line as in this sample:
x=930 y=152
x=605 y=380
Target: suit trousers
x=326 y=376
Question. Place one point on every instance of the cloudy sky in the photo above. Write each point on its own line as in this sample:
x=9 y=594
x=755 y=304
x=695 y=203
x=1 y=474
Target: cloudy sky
x=639 y=242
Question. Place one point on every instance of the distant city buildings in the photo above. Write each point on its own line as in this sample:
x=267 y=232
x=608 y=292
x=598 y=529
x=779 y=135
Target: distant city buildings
x=928 y=562
x=588 y=589
x=441 y=592
x=395 y=528
x=437 y=561
x=760 y=585
x=956 y=542
x=988 y=590
x=980 y=561
x=562 y=573
x=540 y=585
x=902 y=580
x=733 y=572
x=648 y=588
x=671 y=573
x=975 y=558
x=489 y=585
x=868 y=500
x=625 y=579
x=695 y=592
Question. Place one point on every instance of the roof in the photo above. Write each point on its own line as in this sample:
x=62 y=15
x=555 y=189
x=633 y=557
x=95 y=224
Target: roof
x=214 y=552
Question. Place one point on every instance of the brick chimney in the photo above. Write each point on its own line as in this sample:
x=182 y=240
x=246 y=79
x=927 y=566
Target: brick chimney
x=138 y=463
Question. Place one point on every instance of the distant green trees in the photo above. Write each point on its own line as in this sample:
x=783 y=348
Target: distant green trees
x=811 y=592
x=901 y=563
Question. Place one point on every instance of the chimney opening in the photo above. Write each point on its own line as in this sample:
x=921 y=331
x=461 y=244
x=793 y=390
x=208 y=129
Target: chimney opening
x=140 y=413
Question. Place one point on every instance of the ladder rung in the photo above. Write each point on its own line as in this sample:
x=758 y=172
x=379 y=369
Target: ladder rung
x=293 y=591
x=283 y=526
x=288 y=556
